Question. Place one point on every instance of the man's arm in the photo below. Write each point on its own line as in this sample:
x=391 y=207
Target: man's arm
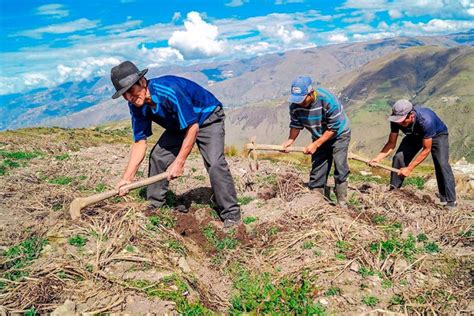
x=176 y=168
x=427 y=143
x=294 y=132
x=137 y=154
x=311 y=149
x=387 y=148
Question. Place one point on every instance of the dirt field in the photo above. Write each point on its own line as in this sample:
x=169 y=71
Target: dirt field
x=295 y=253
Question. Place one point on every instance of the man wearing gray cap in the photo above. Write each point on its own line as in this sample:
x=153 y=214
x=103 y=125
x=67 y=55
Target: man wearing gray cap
x=321 y=113
x=424 y=130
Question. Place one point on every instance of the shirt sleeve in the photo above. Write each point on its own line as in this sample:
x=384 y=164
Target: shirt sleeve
x=394 y=128
x=141 y=126
x=334 y=116
x=294 y=120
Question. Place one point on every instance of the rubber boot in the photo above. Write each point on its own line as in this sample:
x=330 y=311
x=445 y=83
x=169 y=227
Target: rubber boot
x=325 y=192
x=341 y=194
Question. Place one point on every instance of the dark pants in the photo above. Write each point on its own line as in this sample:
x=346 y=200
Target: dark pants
x=210 y=141
x=334 y=149
x=408 y=149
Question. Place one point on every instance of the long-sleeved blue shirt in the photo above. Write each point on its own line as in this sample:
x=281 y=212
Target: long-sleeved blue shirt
x=326 y=112
x=179 y=103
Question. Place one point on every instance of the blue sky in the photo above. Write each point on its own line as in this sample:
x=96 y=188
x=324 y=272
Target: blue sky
x=45 y=43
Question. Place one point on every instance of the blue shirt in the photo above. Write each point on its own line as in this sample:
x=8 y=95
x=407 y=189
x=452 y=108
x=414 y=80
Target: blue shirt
x=427 y=124
x=179 y=103
x=326 y=112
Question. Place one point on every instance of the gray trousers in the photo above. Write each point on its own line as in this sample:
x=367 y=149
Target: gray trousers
x=210 y=141
x=332 y=150
x=408 y=149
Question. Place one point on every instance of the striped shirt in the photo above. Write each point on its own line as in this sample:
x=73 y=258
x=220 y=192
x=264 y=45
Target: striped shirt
x=179 y=103
x=325 y=113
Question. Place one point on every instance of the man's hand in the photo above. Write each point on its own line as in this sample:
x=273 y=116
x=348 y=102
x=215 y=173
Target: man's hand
x=175 y=169
x=310 y=149
x=372 y=162
x=287 y=144
x=119 y=186
x=404 y=172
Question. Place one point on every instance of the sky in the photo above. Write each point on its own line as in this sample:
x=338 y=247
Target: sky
x=46 y=43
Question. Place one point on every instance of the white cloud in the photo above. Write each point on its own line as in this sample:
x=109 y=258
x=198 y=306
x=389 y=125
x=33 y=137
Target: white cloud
x=122 y=27
x=156 y=57
x=437 y=26
x=280 y=2
x=236 y=3
x=338 y=38
x=280 y=31
x=35 y=79
x=54 y=10
x=199 y=40
x=62 y=28
x=395 y=14
x=83 y=69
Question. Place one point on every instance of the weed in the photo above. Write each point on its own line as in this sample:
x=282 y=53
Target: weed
x=431 y=247
x=317 y=252
x=3 y=170
x=386 y=284
x=340 y=256
x=226 y=243
x=366 y=271
x=256 y=294
x=308 y=244
x=249 y=219
x=19 y=155
x=333 y=291
x=370 y=300
x=353 y=200
x=11 y=164
x=78 y=241
x=30 y=312
x=130 y=248
x=171 y=289
x=176 y=246
x=272 y=231
x=61 y=180
x=200 y=178
x=163 y=217
x=418 y=182
x=379 y=219
x=62 y=157
x=244 y=200
x=421 y=237
x=100 y=187
x=407 y=248
x=82 y=177
x=397 y=300
x=21 y=255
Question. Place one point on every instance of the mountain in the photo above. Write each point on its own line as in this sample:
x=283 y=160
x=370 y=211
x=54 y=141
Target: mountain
x=433 y=76
x=236 y=83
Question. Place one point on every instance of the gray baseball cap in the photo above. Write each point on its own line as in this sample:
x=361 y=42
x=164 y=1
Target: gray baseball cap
x=400 y=110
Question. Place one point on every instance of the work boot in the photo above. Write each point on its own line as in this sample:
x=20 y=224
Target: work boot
x=452 y=206
x=341 y=193
x=231 y=224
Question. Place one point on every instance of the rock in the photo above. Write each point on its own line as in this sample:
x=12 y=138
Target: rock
x=354 y=266
x=324 y=301
x=365 y=173
x=68 y=308
x=183 y=265
x=150 y=275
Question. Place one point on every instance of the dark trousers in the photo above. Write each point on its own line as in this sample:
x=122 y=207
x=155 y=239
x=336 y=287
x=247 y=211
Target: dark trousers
x=408 y=149
x=210 y=141
x=332 y=150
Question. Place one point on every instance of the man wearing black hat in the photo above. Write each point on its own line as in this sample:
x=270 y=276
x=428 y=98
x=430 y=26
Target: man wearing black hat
x=189 y=114
x=424 y=130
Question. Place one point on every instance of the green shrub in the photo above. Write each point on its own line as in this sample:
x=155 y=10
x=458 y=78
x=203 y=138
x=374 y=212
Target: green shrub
x=370 y=300
x=78 y=240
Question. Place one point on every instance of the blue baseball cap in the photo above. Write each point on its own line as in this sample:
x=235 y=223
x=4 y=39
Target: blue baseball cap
x=300 y=88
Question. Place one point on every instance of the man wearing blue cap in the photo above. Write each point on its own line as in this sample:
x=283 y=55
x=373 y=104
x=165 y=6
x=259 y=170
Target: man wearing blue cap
x=189 y=114
x=321 y=113
x=424 y=131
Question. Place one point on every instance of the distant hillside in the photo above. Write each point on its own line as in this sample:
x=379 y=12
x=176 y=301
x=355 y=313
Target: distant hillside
x=236 y=83
x=436 y=77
